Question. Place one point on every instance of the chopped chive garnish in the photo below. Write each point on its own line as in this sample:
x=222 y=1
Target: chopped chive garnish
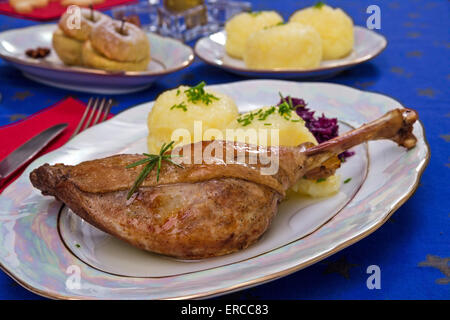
x=281 y=23
x=348 y=180
x=319 y=4
x=255 y=13
x=181 y=106
x=321 y=180
x=198 y=94
x=284 y=109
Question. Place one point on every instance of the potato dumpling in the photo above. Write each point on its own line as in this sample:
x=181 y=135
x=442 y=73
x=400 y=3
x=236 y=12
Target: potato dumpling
x=173 y=110
x=291 y=132
x=318 y=188
x=241 y=26
x=335 y=28
x=289 y=46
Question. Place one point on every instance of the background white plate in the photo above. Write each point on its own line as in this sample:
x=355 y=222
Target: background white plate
x=368 y=44
x=38 y=242
x=167 y=55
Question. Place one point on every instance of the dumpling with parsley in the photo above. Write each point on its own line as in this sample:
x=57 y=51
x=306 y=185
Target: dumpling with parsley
x=179 y=109
x=334 y=26
x=241 y=26
x=280 y=125
x=289 y=46
x=289 y=128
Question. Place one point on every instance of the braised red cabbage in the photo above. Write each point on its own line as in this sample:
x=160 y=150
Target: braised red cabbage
x=322 y=128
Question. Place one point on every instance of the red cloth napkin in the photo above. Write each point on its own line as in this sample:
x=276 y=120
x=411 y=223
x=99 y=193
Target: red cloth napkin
x=53 y=10
x=14 y=135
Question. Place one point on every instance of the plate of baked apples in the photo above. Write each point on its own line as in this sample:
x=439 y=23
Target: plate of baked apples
x=315 y=42
x=93 y=54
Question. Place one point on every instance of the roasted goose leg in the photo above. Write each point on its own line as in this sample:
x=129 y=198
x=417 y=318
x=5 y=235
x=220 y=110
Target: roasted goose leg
x=206 y=209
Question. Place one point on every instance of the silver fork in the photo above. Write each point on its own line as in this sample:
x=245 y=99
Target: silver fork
x=95 y=107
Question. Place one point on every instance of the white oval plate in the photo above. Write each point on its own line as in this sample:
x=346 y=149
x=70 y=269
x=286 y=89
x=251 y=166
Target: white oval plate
x=42 y=246
x=368 y=45
x=168 y=56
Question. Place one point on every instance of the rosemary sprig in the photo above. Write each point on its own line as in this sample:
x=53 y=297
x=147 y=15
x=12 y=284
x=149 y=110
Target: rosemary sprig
x=198 y=93
x=152 y=161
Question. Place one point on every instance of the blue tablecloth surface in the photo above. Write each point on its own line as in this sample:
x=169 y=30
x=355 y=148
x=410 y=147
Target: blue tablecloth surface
x=412 y=249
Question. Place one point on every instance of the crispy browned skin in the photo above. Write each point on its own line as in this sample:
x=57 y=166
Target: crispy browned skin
x=206 y=209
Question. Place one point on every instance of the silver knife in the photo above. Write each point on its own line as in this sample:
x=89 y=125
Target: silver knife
x=28 y=150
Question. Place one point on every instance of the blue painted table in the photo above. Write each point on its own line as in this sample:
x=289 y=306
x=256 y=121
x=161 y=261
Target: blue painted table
x=413 y=247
